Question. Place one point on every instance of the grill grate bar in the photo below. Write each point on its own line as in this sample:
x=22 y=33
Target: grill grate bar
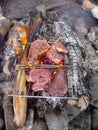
x=42 y=97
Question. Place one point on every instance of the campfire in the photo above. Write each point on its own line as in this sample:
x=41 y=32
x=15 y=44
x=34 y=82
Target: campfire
x=44 y=59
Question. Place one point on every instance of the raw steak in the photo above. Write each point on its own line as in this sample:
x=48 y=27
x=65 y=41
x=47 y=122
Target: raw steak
x=54 y=54
x=38 y=47
x=58 y=86
x=57 y=45
x=40 y=77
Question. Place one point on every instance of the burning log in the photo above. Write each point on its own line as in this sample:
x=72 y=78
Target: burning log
x=33 y=27
x=75 y=77
x=19 y=103
x=17 y=38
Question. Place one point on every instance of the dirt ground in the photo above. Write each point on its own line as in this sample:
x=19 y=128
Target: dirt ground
x=17 y=9
x=71 y=10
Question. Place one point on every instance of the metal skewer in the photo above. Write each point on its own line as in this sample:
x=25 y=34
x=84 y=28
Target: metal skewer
x=42 y=97
x=43 y=66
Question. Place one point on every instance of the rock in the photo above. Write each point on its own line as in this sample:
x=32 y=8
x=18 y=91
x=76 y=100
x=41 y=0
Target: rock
x=6 y=87
x=96 y=44
x=72 y=102
x=70 y=112
x=93 y=36
x=1 y=13
x=94 y=117
x=29 y=122
x=83 y=102
x=1 y=123
x=8 y=114
x=88 y=5
x=39 y=125
x=56 y=121
x=94 y=103
x=94 y=86
x=81 y=122
x=94 y=12
x=80 y=27
x=92 y=62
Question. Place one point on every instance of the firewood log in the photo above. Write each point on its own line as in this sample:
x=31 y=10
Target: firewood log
x=20 y=103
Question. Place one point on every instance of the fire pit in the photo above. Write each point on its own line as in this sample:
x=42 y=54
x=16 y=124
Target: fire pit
x=46 y=66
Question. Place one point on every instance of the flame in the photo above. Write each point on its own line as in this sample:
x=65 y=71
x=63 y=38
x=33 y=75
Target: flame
x=55 y=72
x=23 y=33
x=17 y=51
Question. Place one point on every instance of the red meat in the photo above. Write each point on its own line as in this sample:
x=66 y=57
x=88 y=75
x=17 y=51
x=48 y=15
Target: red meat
x=58 y=86
x=39 y=78
x=37 y=48
x=54 y=54
x=57 y=45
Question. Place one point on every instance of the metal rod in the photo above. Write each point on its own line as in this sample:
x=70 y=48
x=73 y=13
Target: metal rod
x=44 y=66
x=48 y=97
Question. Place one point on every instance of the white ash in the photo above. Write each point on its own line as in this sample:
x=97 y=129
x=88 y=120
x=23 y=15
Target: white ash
x=9 y=52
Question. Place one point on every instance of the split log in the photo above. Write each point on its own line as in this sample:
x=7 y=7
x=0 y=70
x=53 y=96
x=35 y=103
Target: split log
x=19 y=103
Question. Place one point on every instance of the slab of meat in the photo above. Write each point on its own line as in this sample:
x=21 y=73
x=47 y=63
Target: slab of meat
x=38 y=47
x=58 y=86
x=39 y=78
x=57 y=45
x=54 y=54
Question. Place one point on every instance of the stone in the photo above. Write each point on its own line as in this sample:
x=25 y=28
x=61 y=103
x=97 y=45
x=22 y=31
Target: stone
x=56 y=121
x=93 y=36
x=94 y=12
x=80 y=27
x=1 y=123
x=94 y=117
x=88 y=5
